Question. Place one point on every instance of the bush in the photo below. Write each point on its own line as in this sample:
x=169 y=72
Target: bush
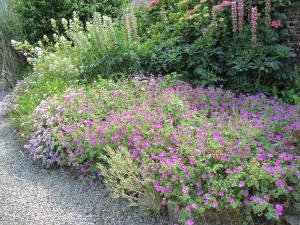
x=197 y=40
x=37 y=14
x=192 y=150
x=104 y=48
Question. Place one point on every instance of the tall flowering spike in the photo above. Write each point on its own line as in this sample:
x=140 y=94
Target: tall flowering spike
x=240 y=15
x=234 y=16
x=268 y=13
x=253 y=26
x=249 y=10
x=214 y=17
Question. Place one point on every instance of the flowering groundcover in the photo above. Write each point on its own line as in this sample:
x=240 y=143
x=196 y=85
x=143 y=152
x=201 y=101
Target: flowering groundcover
x=178 y=148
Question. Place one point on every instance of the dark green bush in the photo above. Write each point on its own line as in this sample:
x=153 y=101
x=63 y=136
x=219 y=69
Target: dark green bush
x=179 y=36
x=36 y=14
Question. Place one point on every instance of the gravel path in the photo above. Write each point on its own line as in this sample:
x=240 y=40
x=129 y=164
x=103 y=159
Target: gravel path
x=30 y=194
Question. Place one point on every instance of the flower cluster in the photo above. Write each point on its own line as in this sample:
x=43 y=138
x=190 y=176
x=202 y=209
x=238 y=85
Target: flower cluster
x=268 y=13
x=196 y=148
x=253 y=26
x=234 y=16
x=241 y=15
x=276 y=24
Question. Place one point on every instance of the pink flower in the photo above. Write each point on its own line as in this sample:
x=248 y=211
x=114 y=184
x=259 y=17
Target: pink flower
x=215 y=204
x=185 y=191
x=276 y=24
x=190 y=221
x=228 y=171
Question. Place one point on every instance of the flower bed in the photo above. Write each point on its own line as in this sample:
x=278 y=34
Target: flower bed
x=184 y=149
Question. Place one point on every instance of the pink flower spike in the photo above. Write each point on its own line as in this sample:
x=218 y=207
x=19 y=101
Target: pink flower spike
x=234 y=16
x=253 y=26
x=240 y=15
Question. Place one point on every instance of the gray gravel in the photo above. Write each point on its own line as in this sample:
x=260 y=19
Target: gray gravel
x=31 y=194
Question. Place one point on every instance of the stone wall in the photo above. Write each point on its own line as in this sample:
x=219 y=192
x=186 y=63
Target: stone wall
x=293 y=23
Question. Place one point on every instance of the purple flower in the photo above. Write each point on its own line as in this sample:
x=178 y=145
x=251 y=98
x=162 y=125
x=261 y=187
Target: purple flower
x=228 y=171
x=230 y=200
x=241 y=184
x=245 y=192
x=278 y=209
x=238 y=169
x=190 y=221
x=75 y=164
x=185 y=191
x=156 y=186
x=246 y=202
x=188 y=208
x=279 y=183
x=198 y=184
x=257 y=199
x=220 y=193
x=176 y=210
x=215 y=204
x=163 y=201
x=199 y=193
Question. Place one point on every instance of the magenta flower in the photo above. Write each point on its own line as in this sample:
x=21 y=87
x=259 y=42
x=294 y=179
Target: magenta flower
x=228 y=171
x=278 y=210
x=241 y=184
x=280 y=184
x=190 y=221
x=230 y=200
x=198 y=184
x=185 y=191
x=215 y=204
x=199 y=193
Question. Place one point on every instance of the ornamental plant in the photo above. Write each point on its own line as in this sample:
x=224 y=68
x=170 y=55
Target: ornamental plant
x=185 y=150
x=208 y=42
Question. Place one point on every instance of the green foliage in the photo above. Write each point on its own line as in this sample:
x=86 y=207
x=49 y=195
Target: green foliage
x=104 y=48
x=36 y=14
x=179 y=37
x=11 y=63
x=28 y=95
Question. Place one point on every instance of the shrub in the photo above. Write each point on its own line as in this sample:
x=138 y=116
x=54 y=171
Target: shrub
x=197 y=40
x=192 y=150
x=26 y=96
x=37 y=14
x=105 y=47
